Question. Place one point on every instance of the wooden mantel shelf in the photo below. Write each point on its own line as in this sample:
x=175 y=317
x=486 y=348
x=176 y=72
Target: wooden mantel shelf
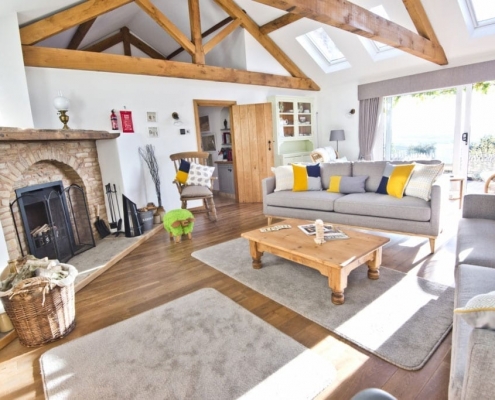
x=17 y=134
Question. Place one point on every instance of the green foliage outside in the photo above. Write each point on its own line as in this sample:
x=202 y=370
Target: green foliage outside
x=482 y=156
x=422 y=148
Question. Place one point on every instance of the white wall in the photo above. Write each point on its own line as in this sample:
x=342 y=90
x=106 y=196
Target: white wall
x=94 y=94
x=15 y=109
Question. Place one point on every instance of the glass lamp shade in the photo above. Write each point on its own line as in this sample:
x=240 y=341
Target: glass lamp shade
x=61 y=103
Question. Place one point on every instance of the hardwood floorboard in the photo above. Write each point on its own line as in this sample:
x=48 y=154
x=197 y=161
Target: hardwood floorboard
x=159 y=271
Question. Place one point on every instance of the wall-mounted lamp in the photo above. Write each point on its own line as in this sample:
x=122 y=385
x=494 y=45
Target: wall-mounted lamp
x=176 y=118
x=352 y=112
x=336 y=135
x=62 y=104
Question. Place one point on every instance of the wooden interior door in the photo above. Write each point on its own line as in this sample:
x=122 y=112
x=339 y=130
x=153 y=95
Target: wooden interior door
x=252 y=141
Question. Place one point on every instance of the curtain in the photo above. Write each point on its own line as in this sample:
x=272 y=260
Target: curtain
x=369 y=113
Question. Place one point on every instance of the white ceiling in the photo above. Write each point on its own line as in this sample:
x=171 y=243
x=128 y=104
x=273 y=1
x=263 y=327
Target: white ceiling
x=445 y=17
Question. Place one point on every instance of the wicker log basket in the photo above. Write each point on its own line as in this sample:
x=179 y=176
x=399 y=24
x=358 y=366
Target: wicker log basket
x=42 y=310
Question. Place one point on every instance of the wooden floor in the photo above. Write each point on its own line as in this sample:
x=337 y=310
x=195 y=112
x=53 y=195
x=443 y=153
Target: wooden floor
x=160 y=271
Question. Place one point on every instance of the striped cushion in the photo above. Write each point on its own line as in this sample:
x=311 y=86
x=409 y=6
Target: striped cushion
x=422 y=179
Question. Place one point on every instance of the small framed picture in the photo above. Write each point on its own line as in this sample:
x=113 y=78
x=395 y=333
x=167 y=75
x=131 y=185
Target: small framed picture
x=151 y=116
x=208 y=143
x=153 y=131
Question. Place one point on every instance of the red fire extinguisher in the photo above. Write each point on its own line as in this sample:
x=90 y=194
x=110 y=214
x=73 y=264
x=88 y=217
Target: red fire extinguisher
x=113 y=119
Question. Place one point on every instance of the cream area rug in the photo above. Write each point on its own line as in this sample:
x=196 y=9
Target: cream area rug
x=200 y=346
x=400 y=318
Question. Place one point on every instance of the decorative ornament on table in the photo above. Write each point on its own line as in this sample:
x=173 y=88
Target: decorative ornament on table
x=320 y=238
x=225 y=123
x=62 y=104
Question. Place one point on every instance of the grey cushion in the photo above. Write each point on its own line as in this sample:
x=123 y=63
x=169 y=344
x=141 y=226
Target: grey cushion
x=311 y=200
x=352 y=184
x=374 y=171
x=380 y=205
x=329 y=169
x=476 y=242
x=195 y=191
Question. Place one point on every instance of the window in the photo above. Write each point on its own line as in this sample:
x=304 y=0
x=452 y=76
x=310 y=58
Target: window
x=482 y=12
x=323 y=50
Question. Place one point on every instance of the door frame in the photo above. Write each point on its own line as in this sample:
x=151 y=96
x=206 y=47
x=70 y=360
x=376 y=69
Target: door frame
x=216 y=103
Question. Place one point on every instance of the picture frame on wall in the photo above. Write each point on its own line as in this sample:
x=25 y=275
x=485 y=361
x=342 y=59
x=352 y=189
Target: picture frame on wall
x=204 y=124
x=208 y=143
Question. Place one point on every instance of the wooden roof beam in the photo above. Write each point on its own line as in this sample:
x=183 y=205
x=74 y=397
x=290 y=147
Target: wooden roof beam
x=352 y=18
x=126 y=40
x=420 y=19
x=59 y=22
x=280 y=22
x=247 y=23
x=195 y=25
x=90 y=61
x=106 y=43
x=203 y=35
x=80 y=34
x=221 y=35
x=166 y=25
x=145 y=48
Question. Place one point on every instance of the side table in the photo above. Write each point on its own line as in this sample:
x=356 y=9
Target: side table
x=461 y=181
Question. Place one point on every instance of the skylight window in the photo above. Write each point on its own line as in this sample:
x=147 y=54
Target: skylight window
x=482 y=12
x=323 y=50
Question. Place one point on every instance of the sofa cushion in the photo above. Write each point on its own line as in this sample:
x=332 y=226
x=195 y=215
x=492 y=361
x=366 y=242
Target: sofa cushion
x=306 y=177
x=471 y=280
x=374 y=170
x=347 y=184
x=284 y=177
x=331 y=169
x=394 y=179
x=475 y=242
x=378 y=205
x=311 y=200
x=422 y=178
x=479 y=312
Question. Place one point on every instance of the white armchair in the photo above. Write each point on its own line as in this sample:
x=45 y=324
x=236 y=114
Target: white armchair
x=324 y=154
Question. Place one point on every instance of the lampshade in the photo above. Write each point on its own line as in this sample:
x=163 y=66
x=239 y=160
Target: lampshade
x=336 y=135
x=61 y=103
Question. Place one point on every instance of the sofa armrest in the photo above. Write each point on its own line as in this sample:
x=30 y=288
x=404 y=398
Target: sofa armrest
x=479 y=206
x=480 y=365
x=439 y=198
x=268 y=185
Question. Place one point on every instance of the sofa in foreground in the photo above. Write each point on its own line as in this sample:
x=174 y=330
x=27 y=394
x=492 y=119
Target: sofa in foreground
x=359 y=205
x=472 y=367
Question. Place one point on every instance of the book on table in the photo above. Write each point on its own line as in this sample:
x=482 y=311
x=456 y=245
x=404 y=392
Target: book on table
x=328 y=230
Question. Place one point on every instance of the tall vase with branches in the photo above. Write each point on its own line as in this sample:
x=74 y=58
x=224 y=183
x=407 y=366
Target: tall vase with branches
x=148 y=155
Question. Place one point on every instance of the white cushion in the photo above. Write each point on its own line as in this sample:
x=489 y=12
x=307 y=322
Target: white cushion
x=479 y=311
x=422 y=179
x=284 y=177
x=200 y=175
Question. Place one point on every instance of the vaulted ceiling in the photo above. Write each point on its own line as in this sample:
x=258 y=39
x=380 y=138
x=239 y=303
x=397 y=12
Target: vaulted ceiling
x=198 y=38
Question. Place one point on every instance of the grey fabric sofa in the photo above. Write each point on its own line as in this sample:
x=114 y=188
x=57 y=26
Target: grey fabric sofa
x=408 y=215
x=472 y=367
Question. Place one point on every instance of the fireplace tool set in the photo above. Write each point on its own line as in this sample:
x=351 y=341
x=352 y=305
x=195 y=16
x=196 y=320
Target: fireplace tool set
x=110 y=196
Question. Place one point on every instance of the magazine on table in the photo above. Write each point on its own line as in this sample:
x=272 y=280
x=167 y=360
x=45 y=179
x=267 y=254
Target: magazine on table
x=310 y=229
x=335 y=235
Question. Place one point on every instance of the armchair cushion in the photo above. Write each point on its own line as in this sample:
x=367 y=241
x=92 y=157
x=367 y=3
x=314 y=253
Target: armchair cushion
x=200 y=175
x=183 y=172
x=194 y=191
x=479 y=311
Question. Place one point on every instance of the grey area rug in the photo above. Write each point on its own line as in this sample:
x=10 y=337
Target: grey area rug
x=400 y=318
x=200 y=346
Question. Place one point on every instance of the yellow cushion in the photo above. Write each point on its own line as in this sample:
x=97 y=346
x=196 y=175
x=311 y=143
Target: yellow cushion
x=334 y=185
x=398 y=180
x=300 y=178
x=183 y=172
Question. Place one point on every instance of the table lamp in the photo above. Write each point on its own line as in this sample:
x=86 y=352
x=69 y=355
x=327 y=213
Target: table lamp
x=336 y=135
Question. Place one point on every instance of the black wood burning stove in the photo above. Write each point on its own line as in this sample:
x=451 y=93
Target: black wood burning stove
x=55 y=220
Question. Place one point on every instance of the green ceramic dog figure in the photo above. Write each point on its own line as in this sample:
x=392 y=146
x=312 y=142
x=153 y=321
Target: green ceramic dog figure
x=177 y=223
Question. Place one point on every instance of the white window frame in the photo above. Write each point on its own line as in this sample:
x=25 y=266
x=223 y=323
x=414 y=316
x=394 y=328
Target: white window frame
x=475 y=29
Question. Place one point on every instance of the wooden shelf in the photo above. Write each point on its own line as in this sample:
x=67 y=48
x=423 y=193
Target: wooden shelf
x=17 y=135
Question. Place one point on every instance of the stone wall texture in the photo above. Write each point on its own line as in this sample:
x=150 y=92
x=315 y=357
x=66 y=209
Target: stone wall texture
x=29 y=163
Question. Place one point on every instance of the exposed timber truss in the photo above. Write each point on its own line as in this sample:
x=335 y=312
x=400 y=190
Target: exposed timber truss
x=339 y=13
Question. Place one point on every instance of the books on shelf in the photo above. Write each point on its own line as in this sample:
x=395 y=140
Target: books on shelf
x=329 y=231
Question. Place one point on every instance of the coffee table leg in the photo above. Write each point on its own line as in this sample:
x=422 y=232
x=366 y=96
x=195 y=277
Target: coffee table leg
x=255 y=254
x=337 y=280
x=374 y=265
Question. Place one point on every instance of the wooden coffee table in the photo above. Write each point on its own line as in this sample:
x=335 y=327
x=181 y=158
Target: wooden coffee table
x=334 y=259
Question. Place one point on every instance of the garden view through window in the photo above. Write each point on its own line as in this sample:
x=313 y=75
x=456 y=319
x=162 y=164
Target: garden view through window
x=429 y=125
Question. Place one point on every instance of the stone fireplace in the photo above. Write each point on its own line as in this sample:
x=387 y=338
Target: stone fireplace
x=36 y=157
